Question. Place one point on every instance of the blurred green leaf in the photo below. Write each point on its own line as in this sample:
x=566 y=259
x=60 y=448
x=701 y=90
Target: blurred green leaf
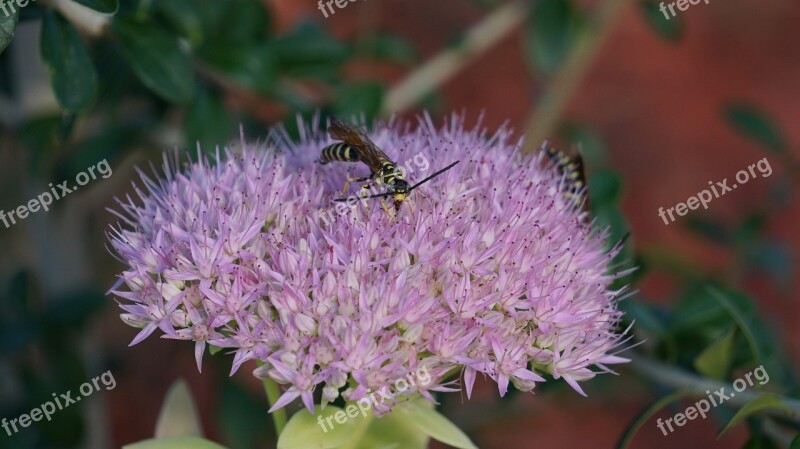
x=175 y=443
x=157 y=59
x=394 y=431
x=244 y=22
x=8 y=24
x=589 y=143
x=242 y=417
x=252 y=66
x=178 y=416
x=73 y=309
x=766 y=401
x=795 y=443
x=764 y=349
x=434 y=424
x=715 y=361
x=647 y=413
x=760 y=442
x=207 y=122
x=661 y=21
x=186 y=17
x=710 y=228
x=72 y=74
x=104 y=6
x=755 y=124
x=605 y=187
x=384 y=45
x=308 y=51
x=550 y=33
x=303 y=430
x=358 y=98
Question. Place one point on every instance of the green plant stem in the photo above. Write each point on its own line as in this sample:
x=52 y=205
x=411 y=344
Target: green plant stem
x=551 y=107
x=671 y=376
x=273 y=393
x=358 y=432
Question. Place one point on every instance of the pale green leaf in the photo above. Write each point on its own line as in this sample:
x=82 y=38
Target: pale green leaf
x=175 y=443
x=178 y=416
x=715 y=360
x=304 y=431
x=766 y=401
x=435 y=425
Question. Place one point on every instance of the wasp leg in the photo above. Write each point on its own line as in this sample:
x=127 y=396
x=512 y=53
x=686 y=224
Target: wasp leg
x=385 y=208
x=350 y=180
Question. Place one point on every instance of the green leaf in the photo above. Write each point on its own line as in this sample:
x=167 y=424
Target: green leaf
x=8 y=24
x=715 y=360
x=241 y=417
x=303 y=430
x=662 y=22
x=795 y=443
x=175 y=443
x=755 y=124
x=185 y=17
x=394 y=431
x=72 y=74
x=383 y=45
x=766 y=401
x=435 y=425
x=358 y=98
x=207 y=122
x=104 y=6
x=309 y=51
x=550 y=34
x=605 y=187
x=742 y=321
x=157 y=59
x=648 y=412
x=252 y=66
x=588 y=141
x=760 y=442
x=178 y=415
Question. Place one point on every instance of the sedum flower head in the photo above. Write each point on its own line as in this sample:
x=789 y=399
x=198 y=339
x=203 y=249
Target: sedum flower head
x=493 y=273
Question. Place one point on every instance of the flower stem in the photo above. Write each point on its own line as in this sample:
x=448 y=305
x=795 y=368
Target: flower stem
x=358 y=432
x=273 y=393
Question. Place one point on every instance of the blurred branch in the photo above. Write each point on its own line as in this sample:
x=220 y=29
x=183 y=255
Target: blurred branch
x=439 y=69
x=550 y=108
x=671 y=376
x=85 y=19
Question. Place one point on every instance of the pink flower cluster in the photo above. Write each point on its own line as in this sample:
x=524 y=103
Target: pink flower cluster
x=494 y=273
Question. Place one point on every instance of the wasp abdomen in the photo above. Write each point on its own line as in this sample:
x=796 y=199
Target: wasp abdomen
x=338 y=152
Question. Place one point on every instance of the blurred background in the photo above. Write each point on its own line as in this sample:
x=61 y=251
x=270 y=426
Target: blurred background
x=659 y=108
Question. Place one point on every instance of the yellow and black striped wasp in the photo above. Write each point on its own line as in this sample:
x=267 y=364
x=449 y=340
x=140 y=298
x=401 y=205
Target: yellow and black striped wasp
x=355 y=146
x=572 y=168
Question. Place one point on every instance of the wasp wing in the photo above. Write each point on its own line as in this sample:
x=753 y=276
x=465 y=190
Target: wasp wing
x=368 y=152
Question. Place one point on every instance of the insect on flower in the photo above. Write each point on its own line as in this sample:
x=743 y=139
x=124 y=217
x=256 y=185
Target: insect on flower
x=355 y=146
x=572 y=168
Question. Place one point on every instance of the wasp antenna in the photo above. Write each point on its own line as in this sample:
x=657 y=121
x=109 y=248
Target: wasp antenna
x=433 y=175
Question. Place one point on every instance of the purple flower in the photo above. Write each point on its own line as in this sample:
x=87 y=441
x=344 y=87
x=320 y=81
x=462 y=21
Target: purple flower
x=494 y=272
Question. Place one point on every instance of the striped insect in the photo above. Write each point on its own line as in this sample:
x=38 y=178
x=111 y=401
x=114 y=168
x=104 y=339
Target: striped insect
x=355 y=146
x=571 y=167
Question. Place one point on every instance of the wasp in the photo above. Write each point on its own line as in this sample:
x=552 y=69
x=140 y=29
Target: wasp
x=355 y=146
x=572 y=168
